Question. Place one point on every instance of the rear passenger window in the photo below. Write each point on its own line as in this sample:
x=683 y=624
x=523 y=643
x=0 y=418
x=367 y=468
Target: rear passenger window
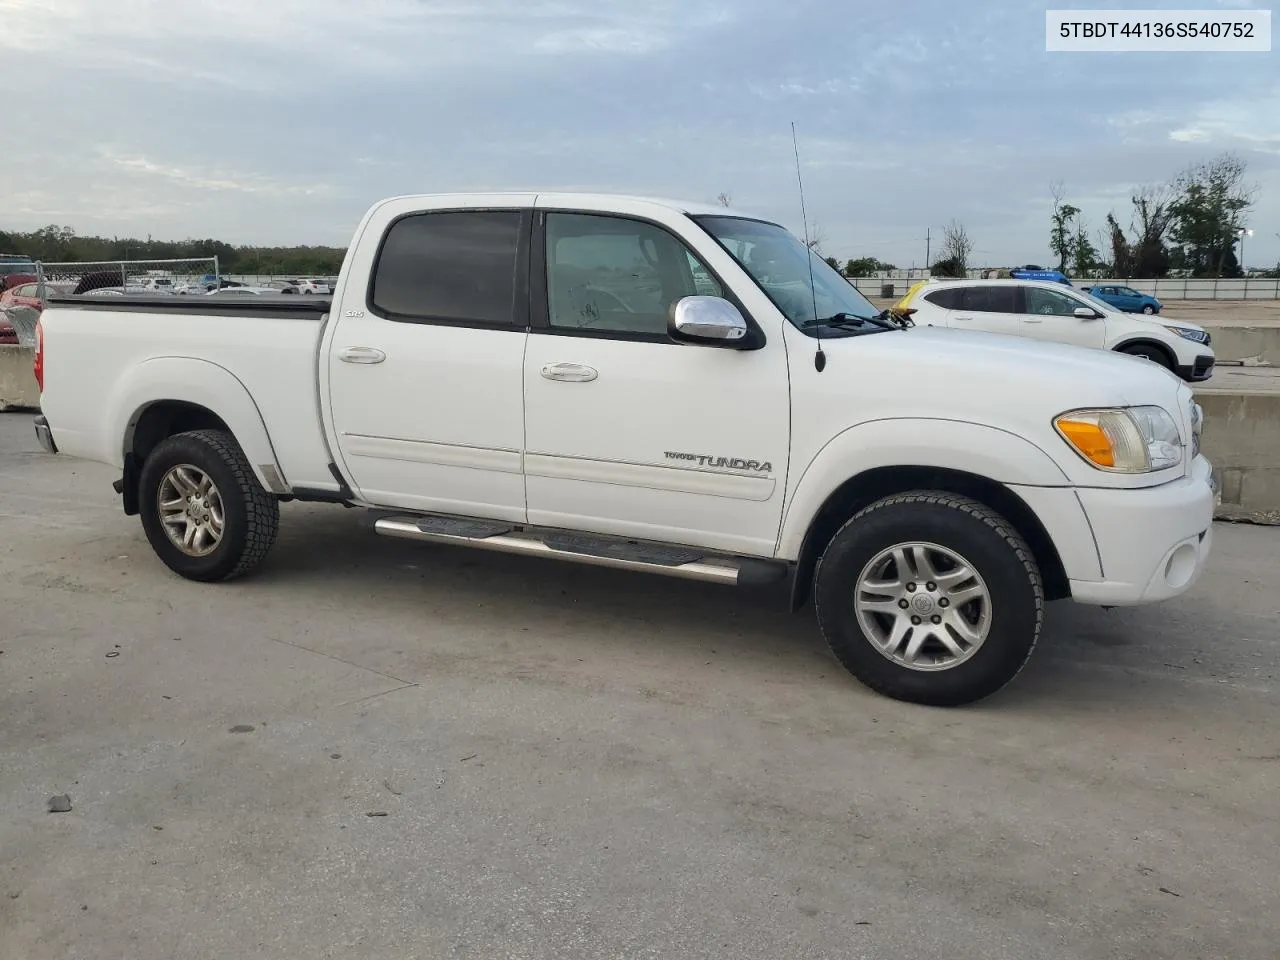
x=456 y=266
x=946 y=299
x=990 y=299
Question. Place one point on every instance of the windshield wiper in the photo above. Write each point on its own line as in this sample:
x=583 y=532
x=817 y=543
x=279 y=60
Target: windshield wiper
x=883 y=319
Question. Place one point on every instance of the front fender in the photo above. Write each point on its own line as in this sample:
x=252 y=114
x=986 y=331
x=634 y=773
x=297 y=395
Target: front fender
x=199 y=382
x=908 y=442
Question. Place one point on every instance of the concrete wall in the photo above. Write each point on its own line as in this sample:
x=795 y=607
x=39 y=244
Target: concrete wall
x=1242 y=440
x=17 y=383
x=1247 y=342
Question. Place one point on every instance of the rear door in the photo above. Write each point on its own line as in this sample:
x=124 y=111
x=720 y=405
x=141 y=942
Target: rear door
x=425 y=363
x=993 y=308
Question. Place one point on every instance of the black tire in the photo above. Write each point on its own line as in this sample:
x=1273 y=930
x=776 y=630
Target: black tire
x=1149 y=352
x=1148 y=309
x=251 y=516
x=990 y=546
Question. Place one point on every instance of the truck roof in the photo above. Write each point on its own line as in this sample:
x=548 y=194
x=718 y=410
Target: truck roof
x=575 y=197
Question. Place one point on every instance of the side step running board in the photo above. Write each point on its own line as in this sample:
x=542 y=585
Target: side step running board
x=671 y=561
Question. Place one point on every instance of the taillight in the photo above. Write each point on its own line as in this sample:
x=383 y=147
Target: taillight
x=38 y=366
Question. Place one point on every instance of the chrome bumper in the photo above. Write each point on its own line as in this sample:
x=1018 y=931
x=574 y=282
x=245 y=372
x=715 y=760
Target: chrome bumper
x=45 y=435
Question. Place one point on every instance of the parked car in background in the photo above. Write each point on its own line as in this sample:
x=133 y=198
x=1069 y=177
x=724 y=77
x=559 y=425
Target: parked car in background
x=20 y=306
x=16 y=263
x=246 y=291
x=310 y=285
x=1043 y=310
x=27 y=294
x=1126 y=299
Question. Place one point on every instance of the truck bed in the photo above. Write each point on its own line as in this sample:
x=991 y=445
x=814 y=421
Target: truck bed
x=104 y=353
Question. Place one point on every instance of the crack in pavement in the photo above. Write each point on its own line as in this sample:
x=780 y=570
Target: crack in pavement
x=349 y=663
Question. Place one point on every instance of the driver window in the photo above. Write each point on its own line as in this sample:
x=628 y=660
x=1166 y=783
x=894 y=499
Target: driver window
x=617 y=275
x=1050 y=302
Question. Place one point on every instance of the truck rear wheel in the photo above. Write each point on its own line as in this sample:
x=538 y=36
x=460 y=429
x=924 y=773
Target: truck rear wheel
x=930 y=597
x=203 y=510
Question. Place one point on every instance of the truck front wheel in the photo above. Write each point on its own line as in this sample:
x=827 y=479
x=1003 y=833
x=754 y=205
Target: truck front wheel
x=203 y=510
x=930 y=597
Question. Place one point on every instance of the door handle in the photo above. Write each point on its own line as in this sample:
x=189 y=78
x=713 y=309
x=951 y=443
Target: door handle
x=962 y=318
x=1032 y=320
x=362 y=355
x=570 y=372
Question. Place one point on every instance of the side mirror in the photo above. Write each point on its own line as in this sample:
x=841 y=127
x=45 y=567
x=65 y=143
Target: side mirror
x=1084 y=313
x=711 y=321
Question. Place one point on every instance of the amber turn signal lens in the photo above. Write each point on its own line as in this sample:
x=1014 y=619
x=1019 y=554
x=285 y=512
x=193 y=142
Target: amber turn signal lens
x=1090 y=439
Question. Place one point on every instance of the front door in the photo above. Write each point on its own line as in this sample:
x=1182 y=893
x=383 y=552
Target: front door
x=1051 y=315
x=628 y=432
x=426 y=367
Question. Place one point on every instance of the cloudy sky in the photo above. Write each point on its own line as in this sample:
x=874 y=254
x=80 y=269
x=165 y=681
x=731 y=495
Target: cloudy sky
x=279 y=121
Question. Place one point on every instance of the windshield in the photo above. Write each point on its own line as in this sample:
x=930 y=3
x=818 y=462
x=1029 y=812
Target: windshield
x=779 y=264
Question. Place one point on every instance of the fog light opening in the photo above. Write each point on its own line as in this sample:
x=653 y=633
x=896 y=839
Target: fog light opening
x=1181 y=567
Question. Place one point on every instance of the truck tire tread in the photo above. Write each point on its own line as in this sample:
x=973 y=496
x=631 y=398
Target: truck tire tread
x=888 y=683
x=261 y=509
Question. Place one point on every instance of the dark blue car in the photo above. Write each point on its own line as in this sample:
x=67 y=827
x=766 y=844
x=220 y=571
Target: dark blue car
x=1126 y=298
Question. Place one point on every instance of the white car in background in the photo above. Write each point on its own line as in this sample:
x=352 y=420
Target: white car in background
x=245 y=291
x=311 y=285
x=1043 y=310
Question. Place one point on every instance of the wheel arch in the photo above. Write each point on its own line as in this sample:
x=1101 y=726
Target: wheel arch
x=169 y=395
x=871 y=485
x=1167 y=351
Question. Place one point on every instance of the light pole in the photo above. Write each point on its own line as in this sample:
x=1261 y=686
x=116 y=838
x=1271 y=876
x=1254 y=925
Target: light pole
x=1243 y=232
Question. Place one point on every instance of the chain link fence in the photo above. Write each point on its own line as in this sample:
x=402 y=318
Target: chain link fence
x=105 y=278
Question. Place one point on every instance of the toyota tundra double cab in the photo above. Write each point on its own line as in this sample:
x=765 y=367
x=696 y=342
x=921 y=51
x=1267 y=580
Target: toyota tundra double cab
x=653 y=386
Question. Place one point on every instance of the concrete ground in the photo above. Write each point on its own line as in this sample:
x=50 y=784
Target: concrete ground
x=583 y=763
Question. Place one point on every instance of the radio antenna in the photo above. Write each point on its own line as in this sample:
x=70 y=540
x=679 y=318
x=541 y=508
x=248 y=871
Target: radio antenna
x=819 y=358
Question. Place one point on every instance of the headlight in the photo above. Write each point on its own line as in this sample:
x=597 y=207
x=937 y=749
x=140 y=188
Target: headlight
x=1123 y=439
x=1186 y=333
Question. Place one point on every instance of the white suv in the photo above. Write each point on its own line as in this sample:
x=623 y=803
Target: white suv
x=1044 y=310
x=311 y=285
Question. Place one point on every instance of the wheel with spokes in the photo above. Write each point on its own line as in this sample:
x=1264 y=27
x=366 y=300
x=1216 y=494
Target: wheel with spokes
x=930 y=597
x=203 y=510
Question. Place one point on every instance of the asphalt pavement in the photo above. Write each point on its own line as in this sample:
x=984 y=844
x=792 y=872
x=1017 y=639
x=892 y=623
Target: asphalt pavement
x=377 y=749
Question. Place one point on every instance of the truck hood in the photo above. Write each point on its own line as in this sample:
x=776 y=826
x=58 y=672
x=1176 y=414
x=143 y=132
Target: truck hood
x=1013 y=383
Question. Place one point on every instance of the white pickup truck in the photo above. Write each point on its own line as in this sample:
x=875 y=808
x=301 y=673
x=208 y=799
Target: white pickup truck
x=652 y=386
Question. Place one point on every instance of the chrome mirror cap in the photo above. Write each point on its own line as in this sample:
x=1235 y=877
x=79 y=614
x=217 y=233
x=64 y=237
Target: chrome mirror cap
x=708 y=320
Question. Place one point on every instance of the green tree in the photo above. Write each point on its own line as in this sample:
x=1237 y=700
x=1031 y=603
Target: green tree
x=866 y=267
x=1084 y=256
x=949 y=267
x=832 y=262
x=1063 y=231
x=1211 y=206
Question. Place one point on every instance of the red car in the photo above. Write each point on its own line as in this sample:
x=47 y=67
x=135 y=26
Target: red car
x=21 y=292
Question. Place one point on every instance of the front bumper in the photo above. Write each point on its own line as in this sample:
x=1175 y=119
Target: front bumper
x=1153 y=543
x=1201 y=369
x=45 y=435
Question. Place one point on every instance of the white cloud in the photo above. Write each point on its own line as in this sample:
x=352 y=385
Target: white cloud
x=278 y=120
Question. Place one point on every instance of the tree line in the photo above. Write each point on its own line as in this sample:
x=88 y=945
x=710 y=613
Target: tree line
x=55 y=244
x=1191 y=225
